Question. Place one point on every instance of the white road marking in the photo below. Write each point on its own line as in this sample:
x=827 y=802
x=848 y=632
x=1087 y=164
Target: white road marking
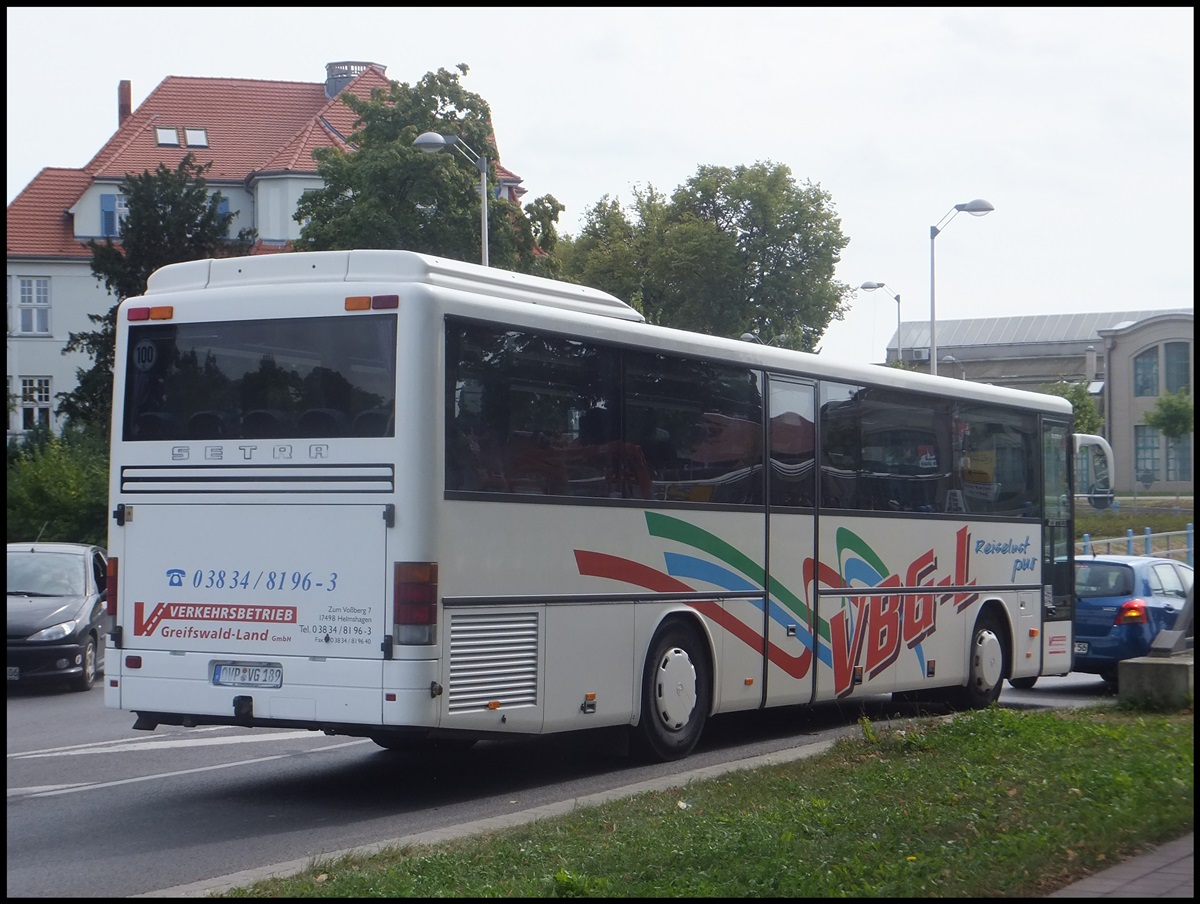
x=160 y=743
x=55 y=791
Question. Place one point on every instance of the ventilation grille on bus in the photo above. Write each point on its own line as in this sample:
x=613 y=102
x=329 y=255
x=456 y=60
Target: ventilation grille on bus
x=227 y=479
x=493 y=658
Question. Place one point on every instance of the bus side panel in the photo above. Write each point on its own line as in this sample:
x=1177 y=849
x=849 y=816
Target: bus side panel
x=792 y=654
x=1057 y=655
x=215 y=592
x=872 y=643
x=599 y=569
x=1028 y=642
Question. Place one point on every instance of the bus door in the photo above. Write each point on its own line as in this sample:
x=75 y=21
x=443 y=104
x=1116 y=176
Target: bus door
x=790 y=622
x=1058 y=547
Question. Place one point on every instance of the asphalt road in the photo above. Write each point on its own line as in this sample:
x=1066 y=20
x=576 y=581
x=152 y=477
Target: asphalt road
x=96 y=809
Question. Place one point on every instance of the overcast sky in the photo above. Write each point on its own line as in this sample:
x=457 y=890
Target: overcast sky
x=1076 y=124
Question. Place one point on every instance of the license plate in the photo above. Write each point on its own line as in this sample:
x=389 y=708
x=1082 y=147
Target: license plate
x=14 y=673
x=1081 y=647
x=248 y=674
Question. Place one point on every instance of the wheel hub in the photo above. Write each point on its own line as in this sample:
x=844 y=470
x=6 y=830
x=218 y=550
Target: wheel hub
x=676 y=689
x=987 y=661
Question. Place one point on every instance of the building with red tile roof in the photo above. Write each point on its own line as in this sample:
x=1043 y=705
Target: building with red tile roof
x=259 y=136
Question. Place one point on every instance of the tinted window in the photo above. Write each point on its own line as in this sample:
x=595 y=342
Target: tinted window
x=995 y=461
x=792 y=433
x=1094 y=579
x=542 y=414
x=885 y=451
x=309 y=377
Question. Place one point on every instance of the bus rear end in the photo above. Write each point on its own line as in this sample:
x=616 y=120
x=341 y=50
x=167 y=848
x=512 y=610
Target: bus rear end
x=266 y=557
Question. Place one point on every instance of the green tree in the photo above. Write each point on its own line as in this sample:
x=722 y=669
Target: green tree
x=733 y=250
x=58 y=488
x=1087 y=415
x=385 y=193
x=170 y=218
x=1173 y=415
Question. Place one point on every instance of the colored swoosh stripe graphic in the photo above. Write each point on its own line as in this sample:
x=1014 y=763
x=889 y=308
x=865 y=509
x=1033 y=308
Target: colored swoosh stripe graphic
x=859 y=631
x=751 y=578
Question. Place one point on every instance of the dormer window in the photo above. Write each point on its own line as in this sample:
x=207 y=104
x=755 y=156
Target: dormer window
x=113 y=211
x=166 y=137
x=196 y=138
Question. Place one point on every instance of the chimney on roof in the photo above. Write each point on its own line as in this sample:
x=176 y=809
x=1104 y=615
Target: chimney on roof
x=124 y=101
x=339 y=75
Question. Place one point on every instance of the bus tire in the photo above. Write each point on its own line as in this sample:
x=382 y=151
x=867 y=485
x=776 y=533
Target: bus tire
x=676 y=693
x=1023 y=684
x=985 y=665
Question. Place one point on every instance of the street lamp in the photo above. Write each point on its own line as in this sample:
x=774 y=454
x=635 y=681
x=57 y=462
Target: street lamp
x=976 y=208
x=962 y=368
x=754 y=337
x=432 y=143
x=871 y=287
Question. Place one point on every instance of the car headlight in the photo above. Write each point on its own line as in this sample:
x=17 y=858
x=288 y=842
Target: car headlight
x=55 y=632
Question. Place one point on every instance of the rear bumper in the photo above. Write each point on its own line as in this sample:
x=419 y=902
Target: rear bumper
x=342 y=696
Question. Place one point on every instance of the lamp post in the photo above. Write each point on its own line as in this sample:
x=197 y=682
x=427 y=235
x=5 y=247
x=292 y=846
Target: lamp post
x=754 y=337
x=976 y=208
x=962 y=368
x=432 y=143
x=871 y=287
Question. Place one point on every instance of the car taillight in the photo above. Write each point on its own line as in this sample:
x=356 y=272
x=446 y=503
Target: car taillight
x=1132 y=613
x=414 y=602
x=110 y=588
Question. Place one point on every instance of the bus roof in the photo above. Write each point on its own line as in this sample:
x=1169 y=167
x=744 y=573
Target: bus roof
x=387 y=266
x=564 y=306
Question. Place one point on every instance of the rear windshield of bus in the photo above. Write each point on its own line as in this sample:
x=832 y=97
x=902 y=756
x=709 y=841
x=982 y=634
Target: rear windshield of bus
x=256 y=379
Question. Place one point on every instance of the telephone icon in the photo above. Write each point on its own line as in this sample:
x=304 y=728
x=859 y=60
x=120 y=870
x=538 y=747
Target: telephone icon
x=174 y=577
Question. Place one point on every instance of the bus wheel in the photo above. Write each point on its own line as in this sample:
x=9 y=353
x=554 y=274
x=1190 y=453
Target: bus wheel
x=985 y=670
x=676 y=693
x=1023 y=684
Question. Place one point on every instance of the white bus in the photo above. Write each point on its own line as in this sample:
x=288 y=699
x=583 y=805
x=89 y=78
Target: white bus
x=386 y=495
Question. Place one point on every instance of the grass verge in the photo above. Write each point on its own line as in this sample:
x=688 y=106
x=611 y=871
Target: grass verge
x=995 y=803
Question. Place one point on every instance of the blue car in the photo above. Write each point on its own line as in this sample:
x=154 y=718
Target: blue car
x=1122 y=603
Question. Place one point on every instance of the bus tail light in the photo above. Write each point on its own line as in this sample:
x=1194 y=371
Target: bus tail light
x=1132 y=612
x=110 y=587
x=414 y=602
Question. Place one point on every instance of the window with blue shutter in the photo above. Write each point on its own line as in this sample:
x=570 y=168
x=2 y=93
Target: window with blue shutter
x=223 y=210
x=108 y=215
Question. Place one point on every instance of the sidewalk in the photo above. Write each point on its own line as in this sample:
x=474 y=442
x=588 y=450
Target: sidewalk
x=1167 y=871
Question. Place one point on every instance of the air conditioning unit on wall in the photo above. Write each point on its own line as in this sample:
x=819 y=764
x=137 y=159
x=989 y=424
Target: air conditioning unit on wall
x=920 y=354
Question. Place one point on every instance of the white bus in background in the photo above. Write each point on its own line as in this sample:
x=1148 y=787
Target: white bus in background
x=380 y=494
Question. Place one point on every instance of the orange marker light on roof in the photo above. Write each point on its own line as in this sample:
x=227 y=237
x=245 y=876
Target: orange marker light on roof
x=358 y=303
x=162 y=312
